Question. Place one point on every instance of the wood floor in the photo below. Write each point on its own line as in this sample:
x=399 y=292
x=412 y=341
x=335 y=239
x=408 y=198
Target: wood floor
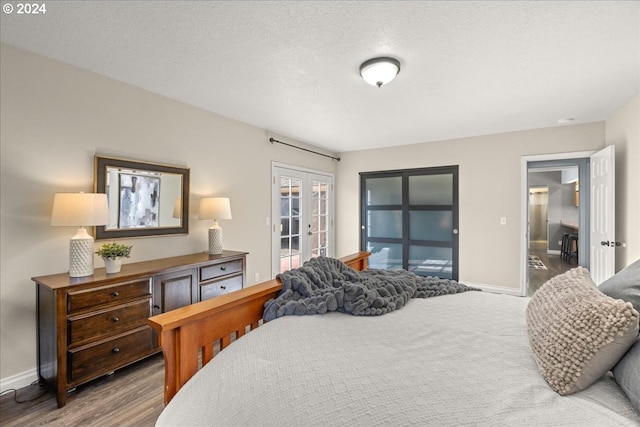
x=132 y=396
x=555 y=265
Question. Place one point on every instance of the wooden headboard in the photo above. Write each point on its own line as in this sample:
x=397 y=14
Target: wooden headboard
x=192 y=331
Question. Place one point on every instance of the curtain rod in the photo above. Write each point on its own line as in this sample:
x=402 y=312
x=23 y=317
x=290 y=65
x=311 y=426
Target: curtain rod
x=272 y=140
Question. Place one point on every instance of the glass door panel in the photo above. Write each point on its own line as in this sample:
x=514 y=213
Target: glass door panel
x=431 y=189
x=431 y=261
x=289 y=222
x=385 y=256
x=384 y=191
x=385 y=224
x=431 y=225
x=319 y=228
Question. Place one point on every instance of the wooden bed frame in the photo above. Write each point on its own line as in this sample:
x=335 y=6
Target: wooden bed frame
x=193 y=331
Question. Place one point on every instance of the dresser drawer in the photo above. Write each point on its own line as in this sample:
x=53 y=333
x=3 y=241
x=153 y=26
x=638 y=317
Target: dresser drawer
x=79 y=300
x=98 y=359
x=100 y=324
x=219 y=270
x=220 y=287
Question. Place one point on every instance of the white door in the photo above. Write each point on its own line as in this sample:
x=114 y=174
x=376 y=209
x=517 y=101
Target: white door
x=603 y=238
x=302 y=212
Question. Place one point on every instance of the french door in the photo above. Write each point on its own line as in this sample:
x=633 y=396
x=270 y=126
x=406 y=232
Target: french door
x=409 y=220
x=302 y=204
x=603 y=227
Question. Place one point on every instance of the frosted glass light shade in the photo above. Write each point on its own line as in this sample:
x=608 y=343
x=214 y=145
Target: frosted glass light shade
x=214 y=208
x=379 y=71
x=80 y=209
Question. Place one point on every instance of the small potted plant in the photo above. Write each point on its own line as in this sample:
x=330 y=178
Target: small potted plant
x=112 y=254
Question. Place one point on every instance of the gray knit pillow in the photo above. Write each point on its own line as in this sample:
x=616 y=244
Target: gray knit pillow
x=577 y=333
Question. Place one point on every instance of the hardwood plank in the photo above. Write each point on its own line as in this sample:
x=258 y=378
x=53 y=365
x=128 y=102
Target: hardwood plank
x=132 y=396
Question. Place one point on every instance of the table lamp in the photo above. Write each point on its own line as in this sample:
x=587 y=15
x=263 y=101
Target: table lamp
x=80 y=210
x=215 y=208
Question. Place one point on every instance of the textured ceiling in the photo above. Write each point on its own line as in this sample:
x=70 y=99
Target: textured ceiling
x=468 y=68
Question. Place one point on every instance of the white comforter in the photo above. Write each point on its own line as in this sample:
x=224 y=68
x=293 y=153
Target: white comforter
x=446 y=361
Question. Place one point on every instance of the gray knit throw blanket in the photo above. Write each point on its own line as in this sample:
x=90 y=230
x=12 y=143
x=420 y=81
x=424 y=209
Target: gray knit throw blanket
x=326 y=284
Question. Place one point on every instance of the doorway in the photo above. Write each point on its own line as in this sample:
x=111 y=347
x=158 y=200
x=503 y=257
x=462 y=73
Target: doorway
x=594 y=192
x=552 y=208
x=557 y=188
x=302 y=212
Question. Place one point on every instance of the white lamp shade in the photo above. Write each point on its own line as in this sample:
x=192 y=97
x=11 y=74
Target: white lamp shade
x=80 y=209
x=379 y=71
x=214 y=208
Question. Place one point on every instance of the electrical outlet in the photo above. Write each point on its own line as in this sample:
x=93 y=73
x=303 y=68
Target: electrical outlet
x=267 y=221
x=256 y=277
x=503 y=220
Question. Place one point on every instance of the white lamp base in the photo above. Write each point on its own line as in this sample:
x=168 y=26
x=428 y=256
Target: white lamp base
x=81 y=254
x=215 y=239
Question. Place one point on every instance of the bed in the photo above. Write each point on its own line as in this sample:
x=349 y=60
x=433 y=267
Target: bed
x=463 y=359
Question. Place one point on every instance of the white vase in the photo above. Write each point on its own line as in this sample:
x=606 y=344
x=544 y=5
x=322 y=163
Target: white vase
x=112 y=265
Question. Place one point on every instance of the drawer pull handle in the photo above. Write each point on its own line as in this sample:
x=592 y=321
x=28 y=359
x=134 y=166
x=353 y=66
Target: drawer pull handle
x=116 y=350
x=223 y=268
x=223 y=287
x=115 y=294
x=115 y=319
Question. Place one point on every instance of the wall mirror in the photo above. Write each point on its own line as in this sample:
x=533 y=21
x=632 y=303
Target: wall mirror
x=145 y=199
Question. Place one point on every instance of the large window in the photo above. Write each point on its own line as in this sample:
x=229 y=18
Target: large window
x=410 y=220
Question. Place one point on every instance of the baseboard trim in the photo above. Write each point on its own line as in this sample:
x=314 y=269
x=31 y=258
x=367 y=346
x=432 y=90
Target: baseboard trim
x=496 y=289
x=18 y=381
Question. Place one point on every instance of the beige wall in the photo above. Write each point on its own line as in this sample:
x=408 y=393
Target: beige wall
x=489 y=188
x=623 y=131
x=55 y=118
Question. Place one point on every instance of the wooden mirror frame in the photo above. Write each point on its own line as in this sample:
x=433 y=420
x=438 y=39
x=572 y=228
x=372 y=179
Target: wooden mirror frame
x=100 y=186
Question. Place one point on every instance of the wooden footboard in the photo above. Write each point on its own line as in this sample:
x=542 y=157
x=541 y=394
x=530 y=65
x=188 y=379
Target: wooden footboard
x=189 y=332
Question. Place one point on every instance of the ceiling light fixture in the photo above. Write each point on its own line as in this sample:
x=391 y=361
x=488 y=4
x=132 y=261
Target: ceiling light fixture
x=380 y=71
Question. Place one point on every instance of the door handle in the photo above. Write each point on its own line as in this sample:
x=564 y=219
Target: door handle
x=455 y=231
x=608 y=243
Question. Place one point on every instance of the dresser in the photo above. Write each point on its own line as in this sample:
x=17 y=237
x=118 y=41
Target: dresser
x=91 y=326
